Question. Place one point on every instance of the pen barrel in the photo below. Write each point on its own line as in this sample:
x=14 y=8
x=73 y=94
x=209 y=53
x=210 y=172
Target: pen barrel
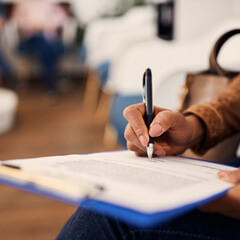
x=151 y=140
x=147 y=85
x=148 y=121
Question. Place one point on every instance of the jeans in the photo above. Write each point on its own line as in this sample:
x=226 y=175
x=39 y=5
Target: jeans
x=7 y=73
x=48 y=52
x=197 y=225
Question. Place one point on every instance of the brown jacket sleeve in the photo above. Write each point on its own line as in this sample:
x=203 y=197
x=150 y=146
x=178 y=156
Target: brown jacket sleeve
x=221 y=116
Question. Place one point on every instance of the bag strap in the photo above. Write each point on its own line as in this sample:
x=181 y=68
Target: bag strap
x=214 y=66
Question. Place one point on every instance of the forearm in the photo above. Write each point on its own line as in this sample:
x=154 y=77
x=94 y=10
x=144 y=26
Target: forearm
x=221 y=116
x=198 y=129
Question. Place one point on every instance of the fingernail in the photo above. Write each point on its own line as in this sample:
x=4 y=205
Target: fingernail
x=167 y=148
x=155 y=130
x=160 y=152
x=143 y=140
x=224 y=174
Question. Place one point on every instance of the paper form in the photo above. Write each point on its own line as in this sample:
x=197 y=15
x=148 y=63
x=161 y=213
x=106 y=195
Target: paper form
x=135 y=182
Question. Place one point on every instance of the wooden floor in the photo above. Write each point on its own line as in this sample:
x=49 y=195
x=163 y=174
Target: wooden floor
x=45 y=128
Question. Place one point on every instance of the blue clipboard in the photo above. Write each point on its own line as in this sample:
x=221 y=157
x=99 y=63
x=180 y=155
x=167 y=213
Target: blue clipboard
x=124 y=214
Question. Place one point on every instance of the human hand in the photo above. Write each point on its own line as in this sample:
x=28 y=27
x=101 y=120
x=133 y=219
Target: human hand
x=228 y=205
x=173 y=133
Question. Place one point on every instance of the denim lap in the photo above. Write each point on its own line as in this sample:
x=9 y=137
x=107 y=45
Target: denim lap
x=87 y=225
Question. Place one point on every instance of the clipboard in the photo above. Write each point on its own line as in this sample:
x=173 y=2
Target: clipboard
x=85 y=194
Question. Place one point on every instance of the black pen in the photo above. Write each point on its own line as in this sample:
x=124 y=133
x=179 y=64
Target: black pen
x=147 y=99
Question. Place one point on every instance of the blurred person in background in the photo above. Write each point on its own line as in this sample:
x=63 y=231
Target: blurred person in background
x=88 y=11
x=39 y=22
x=7 y=72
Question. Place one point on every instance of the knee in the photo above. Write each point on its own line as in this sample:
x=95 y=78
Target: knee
x=81 y=225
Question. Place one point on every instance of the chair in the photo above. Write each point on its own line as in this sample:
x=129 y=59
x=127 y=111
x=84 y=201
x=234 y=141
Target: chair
x=9 y=102
x=169 y=61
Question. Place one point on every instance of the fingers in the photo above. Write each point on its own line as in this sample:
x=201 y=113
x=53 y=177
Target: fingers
x=230 y=176
x=161 y=123
x=137 y=134
x=227 y=205
x=135 y=145
x=161 y=148
x=139 y=152
x=134 y=116
x=133 y=142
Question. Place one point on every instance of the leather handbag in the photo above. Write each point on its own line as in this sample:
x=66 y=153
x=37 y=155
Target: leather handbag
x=202 y=87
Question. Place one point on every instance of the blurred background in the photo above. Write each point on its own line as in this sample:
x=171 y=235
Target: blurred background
x=68 y=68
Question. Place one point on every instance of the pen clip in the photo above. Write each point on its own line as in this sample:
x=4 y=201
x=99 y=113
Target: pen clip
x=144 y=88
x=25 y=177
x=147 y=91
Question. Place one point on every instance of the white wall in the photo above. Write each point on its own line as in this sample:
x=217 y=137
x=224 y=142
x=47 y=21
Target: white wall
x=196 y=17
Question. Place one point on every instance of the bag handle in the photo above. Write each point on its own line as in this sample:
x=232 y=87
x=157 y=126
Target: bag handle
x=214 y=66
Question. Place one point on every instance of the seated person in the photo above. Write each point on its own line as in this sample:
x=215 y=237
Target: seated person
x=7 y=72
x=200 y=127
x=38 y=22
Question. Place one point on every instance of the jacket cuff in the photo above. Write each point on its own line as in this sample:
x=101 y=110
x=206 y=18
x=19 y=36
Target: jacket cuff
x=213 y=123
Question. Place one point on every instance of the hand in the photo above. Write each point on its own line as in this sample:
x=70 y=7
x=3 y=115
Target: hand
x=173 y=133
x=229 y=205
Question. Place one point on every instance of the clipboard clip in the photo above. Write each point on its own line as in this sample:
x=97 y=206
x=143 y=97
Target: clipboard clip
x=69 y=188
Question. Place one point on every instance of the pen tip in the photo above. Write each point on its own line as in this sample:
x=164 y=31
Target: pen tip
x=150 y=151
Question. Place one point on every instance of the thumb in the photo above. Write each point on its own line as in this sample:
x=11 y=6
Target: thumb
x=230 y=176
x=162 y=122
